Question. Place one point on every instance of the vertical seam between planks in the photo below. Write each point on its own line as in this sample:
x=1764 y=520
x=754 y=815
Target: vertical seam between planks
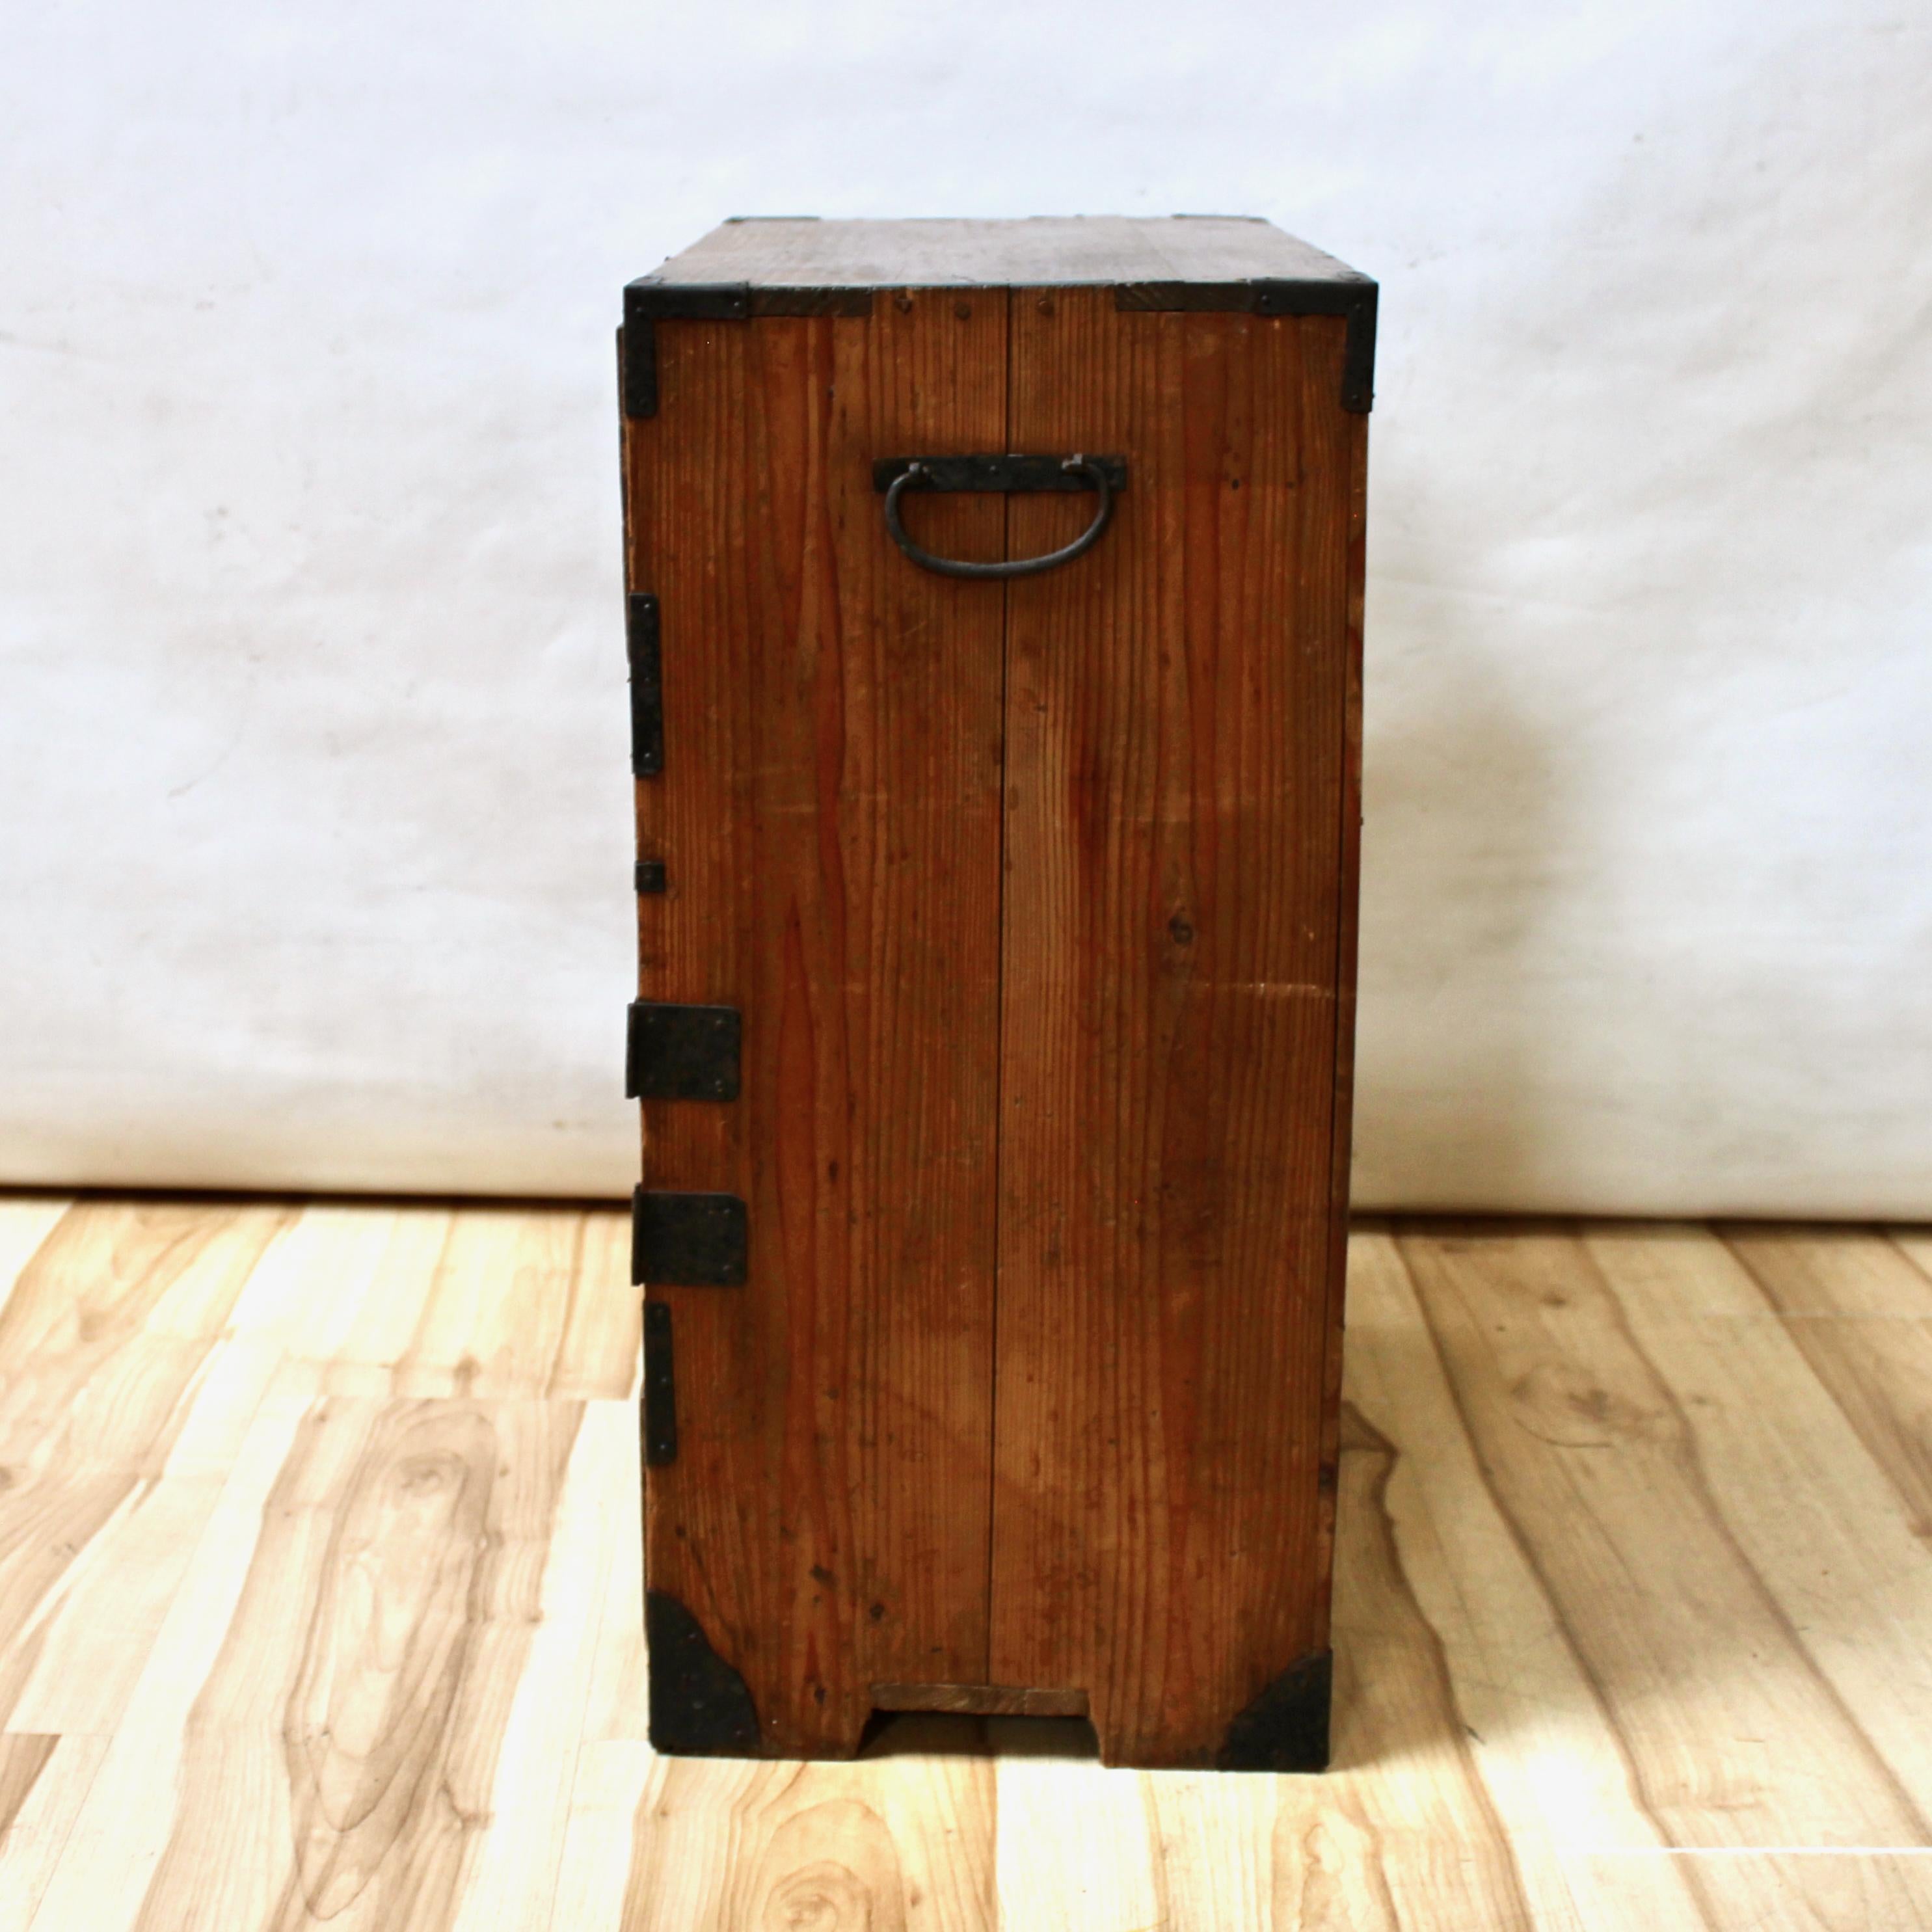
x=999 y=1012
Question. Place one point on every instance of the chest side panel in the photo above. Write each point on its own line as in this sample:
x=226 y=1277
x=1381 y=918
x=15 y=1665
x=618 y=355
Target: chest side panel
x=1178 y=718
x=827 y=817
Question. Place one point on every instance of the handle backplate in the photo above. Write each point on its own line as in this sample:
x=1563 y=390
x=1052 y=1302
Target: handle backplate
x=1104 y=476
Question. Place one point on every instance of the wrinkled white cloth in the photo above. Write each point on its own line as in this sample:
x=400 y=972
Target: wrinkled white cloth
x=314 y=818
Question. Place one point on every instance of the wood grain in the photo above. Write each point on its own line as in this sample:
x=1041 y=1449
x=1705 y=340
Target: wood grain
x=902 y=1844
x=1914 y=1243
x=104 y=1343
x=516 y=1876
x=550 y=1290
x=1356 y=1850
x=1859 y=1309
x=894 y=254
x=497 y=1302
x=366 y=1677
x=1682 y=1638
x=1566 y=1757
x=1397 y=1704
x=25 y=1221
x=1552 y=1763
x=1646 y=1570
x=1796 y=1482
x=44 y=1782
x=985 y=1700
x=829 y=815
x=1177 y=710
x=22 y=1759
x=1632 y=1605
x=1342 y=1122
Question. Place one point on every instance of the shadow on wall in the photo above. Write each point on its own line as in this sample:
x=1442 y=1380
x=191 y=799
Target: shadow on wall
x=1608 y=959
x=1645 y=908
x=1465 y=821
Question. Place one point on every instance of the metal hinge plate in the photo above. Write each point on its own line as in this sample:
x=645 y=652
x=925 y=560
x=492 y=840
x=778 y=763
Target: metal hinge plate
x=997 y=472
x=681 y=1053
x=641 y=638
x=688 y=1240
x=660 y=1418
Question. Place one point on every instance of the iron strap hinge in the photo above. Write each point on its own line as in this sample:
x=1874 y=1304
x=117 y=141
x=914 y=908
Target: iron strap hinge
x=688 y=1240
x=660 y=1416
x=641 y=645
x=674 y=1052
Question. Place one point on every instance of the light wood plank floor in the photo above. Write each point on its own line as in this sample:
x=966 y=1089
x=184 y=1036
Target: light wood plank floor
x=319 y=1606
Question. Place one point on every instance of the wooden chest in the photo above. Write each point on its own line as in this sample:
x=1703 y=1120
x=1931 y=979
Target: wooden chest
x=996 y=958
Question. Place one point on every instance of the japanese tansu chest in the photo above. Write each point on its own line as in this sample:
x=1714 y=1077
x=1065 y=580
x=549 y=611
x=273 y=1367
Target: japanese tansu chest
x=994 y=626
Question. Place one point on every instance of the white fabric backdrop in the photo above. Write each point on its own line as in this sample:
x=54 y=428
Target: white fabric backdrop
x=313 y=805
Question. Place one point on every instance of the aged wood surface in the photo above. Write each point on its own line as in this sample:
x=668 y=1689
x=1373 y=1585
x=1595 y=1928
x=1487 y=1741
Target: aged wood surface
x=1176 y=715
x=1342 y=1121
x=1632 y=1608
x=829 y=816
x=1100 y=248
x=982 y=1700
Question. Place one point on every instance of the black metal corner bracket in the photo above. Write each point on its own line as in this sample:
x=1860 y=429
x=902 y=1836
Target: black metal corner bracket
x=674 y=1052
x=660 y=1398
x=648 y=301
x=700 y=1707
x=1352 y=296
x=689 y=1240
x=645 y=303
x=1286 y=1727
x=641 y=642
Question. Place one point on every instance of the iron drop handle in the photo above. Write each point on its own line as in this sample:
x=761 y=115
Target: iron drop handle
x=1104 y=476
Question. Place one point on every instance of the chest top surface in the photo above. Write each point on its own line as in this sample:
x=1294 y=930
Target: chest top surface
x=1046 y=251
